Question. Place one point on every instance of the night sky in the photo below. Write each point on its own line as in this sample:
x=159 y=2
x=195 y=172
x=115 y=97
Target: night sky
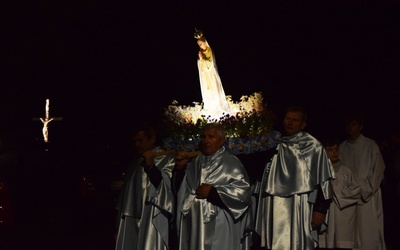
x=106 y=65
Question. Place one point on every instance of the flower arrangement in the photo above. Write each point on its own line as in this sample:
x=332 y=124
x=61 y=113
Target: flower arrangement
x=249 y=119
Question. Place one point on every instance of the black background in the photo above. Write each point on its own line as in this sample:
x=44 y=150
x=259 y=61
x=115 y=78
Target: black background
x=106 y=65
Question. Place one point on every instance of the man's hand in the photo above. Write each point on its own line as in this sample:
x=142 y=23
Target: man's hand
x=317 y=220
x=203 y=190
x=148 y=159
x=181 y=160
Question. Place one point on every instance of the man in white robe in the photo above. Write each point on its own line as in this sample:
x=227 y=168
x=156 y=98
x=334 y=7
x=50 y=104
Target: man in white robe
x=342 y=230
x=362 y=154
x=214 y=196
x=295 y=191
x=146 y=201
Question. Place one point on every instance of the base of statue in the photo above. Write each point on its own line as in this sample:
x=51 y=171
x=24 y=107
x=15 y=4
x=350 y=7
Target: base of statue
x=245 y=145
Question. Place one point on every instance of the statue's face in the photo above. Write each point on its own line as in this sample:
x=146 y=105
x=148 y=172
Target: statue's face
x=202 y=44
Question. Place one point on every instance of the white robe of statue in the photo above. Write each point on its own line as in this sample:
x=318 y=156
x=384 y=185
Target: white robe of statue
x=214 y=99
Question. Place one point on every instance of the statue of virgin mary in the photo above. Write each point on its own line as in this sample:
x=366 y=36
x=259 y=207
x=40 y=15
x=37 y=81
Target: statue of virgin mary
x=214 y=99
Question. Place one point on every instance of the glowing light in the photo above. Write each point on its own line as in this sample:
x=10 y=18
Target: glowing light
x=247 y=117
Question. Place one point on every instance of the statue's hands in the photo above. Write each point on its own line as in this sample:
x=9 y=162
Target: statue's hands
x=203 y=191
x=181 y=160
x=148 y=159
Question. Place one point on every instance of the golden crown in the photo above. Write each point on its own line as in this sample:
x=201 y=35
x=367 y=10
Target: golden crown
x=198 y=33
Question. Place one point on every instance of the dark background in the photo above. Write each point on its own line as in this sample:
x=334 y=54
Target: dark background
x=106 y=65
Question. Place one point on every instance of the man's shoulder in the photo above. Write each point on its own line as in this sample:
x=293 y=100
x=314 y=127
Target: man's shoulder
x=228 y=156
x=368 y=140
x=309 y=136
x=309 y=140
x=345 y=168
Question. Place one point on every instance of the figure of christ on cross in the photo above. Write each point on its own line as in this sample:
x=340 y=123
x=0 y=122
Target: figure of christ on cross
x=47 y=120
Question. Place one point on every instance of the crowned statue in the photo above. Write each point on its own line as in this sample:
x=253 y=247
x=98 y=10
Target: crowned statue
x=214 y=99
x=248 y=122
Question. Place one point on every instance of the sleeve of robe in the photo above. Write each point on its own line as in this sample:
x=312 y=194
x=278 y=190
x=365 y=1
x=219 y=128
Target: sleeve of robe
x=372 y=183
x=163 y=198
x=236 y=192
x=347 y=190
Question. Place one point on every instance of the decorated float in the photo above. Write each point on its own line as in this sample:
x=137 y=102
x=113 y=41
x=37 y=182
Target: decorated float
x=249 y=125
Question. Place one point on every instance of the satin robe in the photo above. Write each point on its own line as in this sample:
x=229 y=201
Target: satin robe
x=289 y=190
x=364 y=158
x=144 y=211
x=202 y=225
x=212 y=92
x=342 y=228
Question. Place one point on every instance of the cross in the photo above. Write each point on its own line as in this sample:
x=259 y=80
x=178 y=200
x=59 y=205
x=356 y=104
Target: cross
x=46 y=120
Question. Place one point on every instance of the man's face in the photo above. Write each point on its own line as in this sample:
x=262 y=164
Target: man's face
x=353 y=129
x=211 y=141
x=333 y=153
x=143 y=143
x=293 y=122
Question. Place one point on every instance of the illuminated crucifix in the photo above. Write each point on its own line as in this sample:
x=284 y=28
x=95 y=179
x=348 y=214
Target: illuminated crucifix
x=46 y=120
